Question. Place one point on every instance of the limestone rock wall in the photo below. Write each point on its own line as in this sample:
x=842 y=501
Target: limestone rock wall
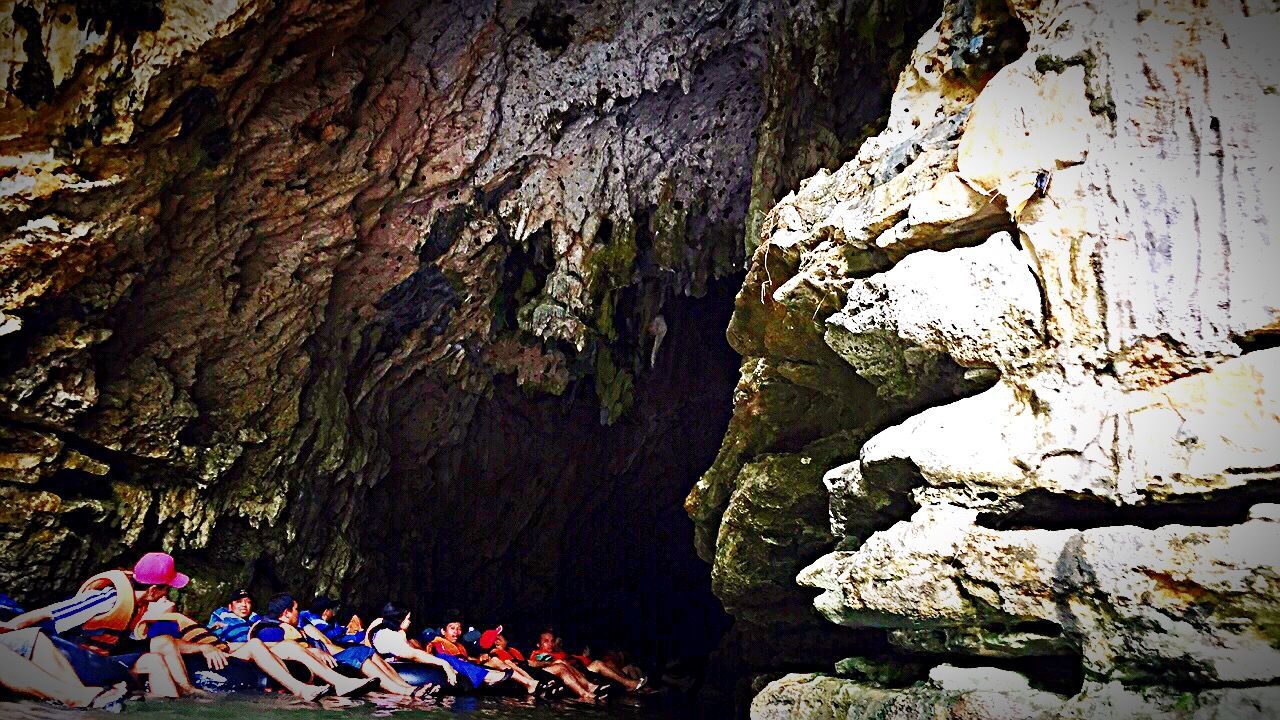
x=1009 y=391
x=272 y=273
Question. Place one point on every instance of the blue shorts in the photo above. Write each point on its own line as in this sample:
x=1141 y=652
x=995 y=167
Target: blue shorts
x=94 y=669
x=473 y=672
x=354 y=656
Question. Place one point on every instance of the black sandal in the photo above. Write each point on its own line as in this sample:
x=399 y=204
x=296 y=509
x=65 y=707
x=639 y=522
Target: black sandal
x=424 y=691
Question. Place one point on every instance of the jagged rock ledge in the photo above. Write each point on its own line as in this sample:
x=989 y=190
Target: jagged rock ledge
x=1010 y=394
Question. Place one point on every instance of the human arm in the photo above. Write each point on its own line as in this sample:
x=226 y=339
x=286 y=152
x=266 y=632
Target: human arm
x=392 y=643
x=313 y=632
x=28 y=619
x=68 y=614
x=322 y=656
x=215 y=657
x=427 y=658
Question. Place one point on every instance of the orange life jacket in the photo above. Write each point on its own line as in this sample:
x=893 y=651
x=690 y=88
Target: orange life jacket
x=188 y=630
x=103 y=633
x=509 y=654
x=441 y=646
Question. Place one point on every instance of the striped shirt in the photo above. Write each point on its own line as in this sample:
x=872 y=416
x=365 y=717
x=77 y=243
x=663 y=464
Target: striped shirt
x=73 y=613
x=231 y=627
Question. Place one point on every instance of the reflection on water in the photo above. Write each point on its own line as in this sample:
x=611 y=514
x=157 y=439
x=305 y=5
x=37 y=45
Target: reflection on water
x=242 y=707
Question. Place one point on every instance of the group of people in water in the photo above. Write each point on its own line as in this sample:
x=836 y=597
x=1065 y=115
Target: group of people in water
x=120 y=634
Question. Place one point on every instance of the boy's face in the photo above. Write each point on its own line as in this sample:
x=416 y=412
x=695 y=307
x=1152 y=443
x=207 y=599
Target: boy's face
x=453 y=631
x=499 y=643
x=154 y=593
x=241 y=608
x=290 y=616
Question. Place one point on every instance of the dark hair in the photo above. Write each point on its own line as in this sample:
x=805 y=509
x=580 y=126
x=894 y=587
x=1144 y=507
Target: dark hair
x=393 y=614
x=344 y=615
x=453 y=616
x=279 y=605
x=322 y=603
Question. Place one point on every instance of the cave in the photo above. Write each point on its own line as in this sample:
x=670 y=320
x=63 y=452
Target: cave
x=823 y=353
x=558 y=518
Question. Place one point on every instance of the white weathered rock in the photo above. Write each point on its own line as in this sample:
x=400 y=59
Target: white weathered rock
x=950 y=677
x=815 y=697
x=979 y=305
x=1140 y=605
x=1130 y=319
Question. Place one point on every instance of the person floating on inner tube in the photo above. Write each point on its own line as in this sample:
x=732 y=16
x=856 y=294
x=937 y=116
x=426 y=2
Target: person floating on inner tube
x=109 y=621
x=496 y=643
x=321 y=615
x=550 y=651
x=233 y=624
x=279 y=629
x=37 y=669
x=389 y=634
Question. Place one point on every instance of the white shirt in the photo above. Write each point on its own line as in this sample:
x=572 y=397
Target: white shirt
x=392 y=642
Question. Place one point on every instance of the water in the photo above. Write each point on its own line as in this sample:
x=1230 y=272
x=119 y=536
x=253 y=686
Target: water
x=658 y=706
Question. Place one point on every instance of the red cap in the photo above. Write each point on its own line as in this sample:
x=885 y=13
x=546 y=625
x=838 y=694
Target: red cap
x=157 y=569
x=488 y=637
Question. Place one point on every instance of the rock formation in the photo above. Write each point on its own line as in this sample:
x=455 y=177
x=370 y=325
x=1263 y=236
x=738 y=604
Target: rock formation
x=1009 y=400
x=289 y=287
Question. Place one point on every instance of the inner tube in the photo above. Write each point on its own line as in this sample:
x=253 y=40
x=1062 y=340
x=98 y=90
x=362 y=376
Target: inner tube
x=421 y=674
x=238 y=676
x=94 y=669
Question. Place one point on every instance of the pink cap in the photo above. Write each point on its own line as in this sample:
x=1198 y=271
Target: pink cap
x=157 y=569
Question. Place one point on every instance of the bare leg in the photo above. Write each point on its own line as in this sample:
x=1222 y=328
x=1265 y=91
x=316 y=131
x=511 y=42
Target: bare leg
x=493 y=677
x=295 y=652
x=255 y=651
x=27 y=677
x=602 y=669
x=165 y=648
x=517 y=672
x=48 y=658
x=157 y=672
x=376 y=667
x=576 y=681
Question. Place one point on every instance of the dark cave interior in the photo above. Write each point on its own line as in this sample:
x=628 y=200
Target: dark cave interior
x=542 y=515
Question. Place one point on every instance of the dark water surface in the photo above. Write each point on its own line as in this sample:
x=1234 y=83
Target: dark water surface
x=242 y=707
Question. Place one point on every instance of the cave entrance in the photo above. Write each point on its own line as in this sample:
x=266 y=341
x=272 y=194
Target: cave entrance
x=542 y=516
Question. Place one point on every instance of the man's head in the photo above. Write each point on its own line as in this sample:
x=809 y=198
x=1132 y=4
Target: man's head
x=154 y=574
x=395 y=616
x=284 y=608
x=547 y=641
x=324 y=608
x=241 y=605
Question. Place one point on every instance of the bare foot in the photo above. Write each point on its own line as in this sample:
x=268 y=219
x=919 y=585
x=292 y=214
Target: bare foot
x=311 y=693
x=354 y=686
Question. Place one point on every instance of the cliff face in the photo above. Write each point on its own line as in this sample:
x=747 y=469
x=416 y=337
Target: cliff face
x=393 y=298
x=1009 y=398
